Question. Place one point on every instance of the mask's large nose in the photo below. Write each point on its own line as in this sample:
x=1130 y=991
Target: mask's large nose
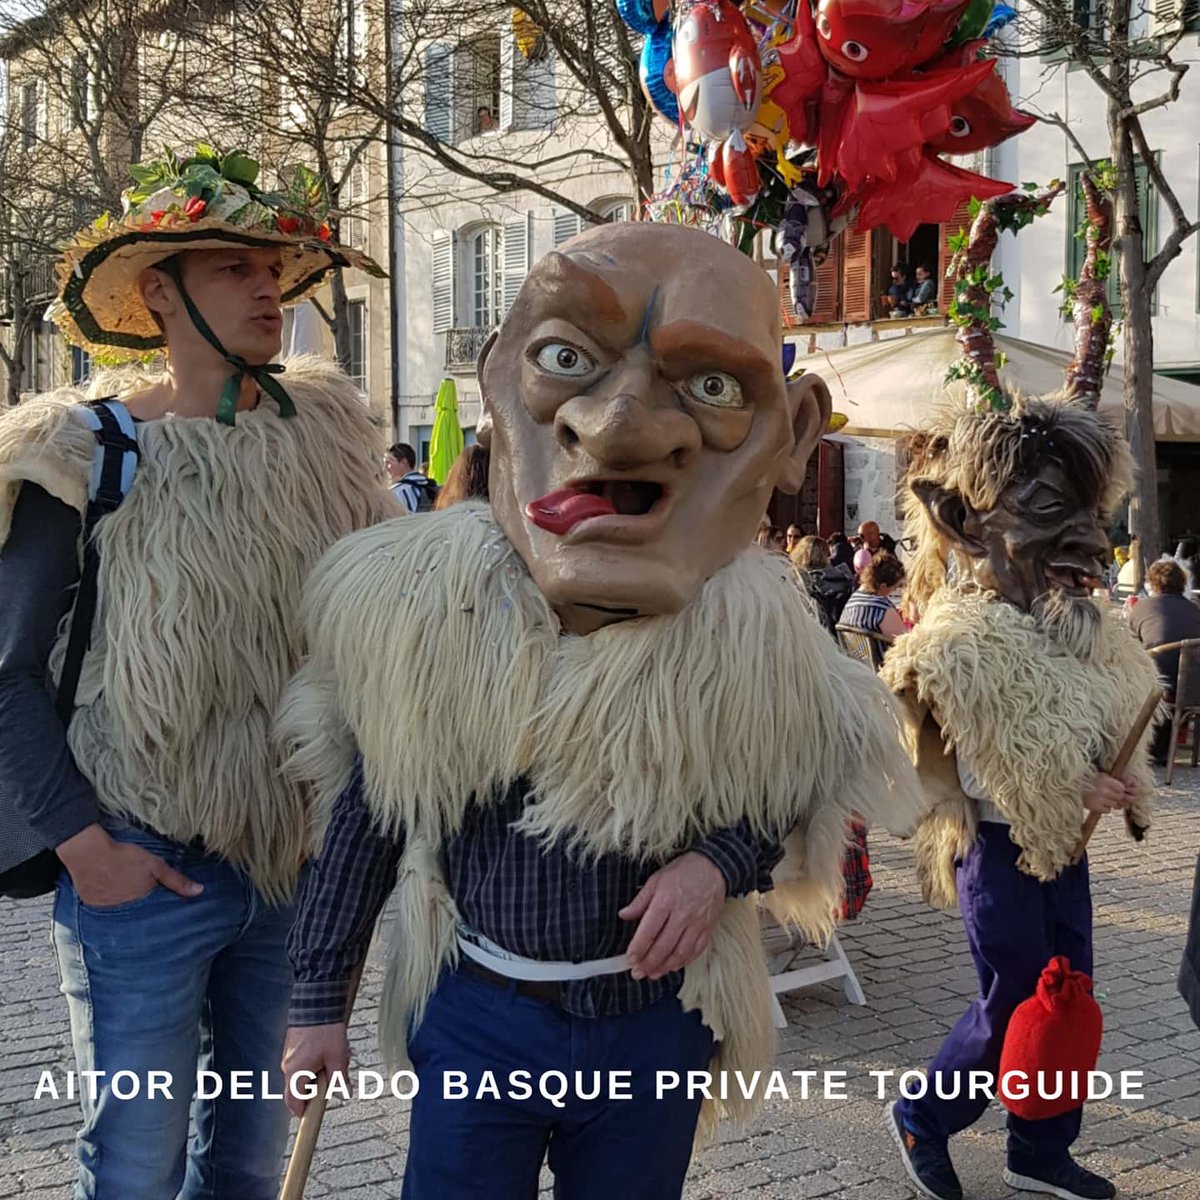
x=633 y=421
x=1086 y=543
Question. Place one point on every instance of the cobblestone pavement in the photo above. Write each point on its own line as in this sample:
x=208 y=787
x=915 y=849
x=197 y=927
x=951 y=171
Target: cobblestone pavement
x=915 y=970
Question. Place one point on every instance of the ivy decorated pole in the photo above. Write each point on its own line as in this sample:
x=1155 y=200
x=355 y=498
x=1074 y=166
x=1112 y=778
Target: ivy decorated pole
x=975 y=285
x=1089 y=306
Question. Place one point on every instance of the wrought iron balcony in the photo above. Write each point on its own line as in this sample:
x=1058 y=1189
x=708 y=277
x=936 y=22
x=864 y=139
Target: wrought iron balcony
x=463 y=347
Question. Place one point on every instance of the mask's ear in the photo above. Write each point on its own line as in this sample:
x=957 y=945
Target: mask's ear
x=951 y=514
x=483 y=428
x=810 y=404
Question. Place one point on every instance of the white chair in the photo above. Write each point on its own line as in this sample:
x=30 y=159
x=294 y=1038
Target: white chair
x=784 y=948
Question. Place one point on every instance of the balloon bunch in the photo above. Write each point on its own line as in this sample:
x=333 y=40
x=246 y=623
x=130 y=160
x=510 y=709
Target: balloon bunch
x=813 y=118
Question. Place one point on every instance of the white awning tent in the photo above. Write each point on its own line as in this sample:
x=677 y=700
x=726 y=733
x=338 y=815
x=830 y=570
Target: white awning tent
x=891 y=386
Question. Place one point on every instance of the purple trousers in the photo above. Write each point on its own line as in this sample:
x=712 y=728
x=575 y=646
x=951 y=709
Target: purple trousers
x=1014 y=926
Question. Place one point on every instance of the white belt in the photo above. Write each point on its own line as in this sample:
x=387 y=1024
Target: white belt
x=485 y=952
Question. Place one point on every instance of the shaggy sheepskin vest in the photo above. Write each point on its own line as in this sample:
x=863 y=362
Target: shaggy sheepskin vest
x=637 y=739
x=1032 y=721
x=198 y=628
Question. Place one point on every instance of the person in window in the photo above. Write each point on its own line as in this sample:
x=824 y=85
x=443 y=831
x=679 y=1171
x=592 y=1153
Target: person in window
x=896 y=299
x=870 y=608
x=484 y=121
x=924 y=294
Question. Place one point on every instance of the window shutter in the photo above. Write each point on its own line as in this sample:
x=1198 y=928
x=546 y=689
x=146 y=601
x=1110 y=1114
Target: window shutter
x=532 y=89
x=1166 y=17
x=508 y=66
x=786 y=308
x=443 y=282
x=566 y=226
x=516 y=257
x=856 y=276
x=828 y=310
x=439 y=91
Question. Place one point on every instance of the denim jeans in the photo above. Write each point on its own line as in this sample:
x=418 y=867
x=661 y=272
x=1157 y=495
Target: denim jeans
x=597 y=1149
x=169 y=984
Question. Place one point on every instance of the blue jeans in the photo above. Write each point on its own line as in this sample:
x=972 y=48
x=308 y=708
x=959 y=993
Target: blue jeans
x=489 y=1149
x=1014 y=926
x=177 y=985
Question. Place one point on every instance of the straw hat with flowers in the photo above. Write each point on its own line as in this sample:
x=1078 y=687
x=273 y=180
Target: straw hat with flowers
x=208 y=201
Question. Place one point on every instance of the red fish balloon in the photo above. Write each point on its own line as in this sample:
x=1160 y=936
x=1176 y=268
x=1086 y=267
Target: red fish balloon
x=715 y=69
x=927 y=191
x=876 y=39
x=885 y=119
x=982 y=118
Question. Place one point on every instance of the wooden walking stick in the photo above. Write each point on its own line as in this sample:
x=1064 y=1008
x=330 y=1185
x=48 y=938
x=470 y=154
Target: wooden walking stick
x=300 y=1162
x=1119 y=765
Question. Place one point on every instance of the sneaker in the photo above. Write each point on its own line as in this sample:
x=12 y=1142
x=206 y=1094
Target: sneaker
x=1067 y=1181
x=927 y=1163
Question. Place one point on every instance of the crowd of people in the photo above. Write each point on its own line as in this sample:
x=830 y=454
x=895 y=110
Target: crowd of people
x=856 y=580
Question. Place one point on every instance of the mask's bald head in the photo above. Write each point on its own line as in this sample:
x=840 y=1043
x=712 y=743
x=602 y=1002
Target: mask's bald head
x=640 y=417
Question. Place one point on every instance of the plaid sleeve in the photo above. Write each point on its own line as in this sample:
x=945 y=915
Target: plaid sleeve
x=744 y=859
x=340 y=900
x=856 y=871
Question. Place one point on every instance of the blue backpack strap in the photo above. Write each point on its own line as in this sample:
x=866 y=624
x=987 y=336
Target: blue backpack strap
x=114 y=463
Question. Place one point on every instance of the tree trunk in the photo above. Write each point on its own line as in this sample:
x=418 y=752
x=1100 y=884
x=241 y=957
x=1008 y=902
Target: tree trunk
x=341 y=319
x=14 y=361
x=1138 y=333
x=1139 y=418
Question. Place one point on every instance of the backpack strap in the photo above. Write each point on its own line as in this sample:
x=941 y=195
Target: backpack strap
x=114 y=462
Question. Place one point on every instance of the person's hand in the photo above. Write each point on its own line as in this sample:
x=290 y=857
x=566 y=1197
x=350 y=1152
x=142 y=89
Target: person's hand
x=314 y=1048
x=1133 y=792
x=1109 y=795
x=107 y=873
x=676 y=910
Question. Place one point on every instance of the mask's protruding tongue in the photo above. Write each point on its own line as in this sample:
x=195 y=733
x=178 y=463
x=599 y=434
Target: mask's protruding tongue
x=560 y=511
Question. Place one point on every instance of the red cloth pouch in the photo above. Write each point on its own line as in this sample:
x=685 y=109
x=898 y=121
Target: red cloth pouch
x=1052 y=1042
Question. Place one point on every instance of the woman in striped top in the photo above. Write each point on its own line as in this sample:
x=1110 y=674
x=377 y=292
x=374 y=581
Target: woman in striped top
x=870 y=608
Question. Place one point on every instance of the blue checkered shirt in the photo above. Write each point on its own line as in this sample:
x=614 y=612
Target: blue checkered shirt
x=538 y=901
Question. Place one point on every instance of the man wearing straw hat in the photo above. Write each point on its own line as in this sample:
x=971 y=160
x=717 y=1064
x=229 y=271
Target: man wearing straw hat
x=181 y=845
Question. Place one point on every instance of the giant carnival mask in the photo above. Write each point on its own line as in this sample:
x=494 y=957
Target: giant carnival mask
x=1022 y=490
x=639 y=418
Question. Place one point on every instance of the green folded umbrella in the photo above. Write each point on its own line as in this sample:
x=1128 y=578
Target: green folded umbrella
x=447 y=441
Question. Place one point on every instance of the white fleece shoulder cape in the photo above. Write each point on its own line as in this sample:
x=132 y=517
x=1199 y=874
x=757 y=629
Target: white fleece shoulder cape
x=1032 y=720
x=434 y=655
x=197 y=628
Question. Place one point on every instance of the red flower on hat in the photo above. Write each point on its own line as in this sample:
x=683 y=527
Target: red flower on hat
x=157 y=215
x=195 y=208
x=324 y=233
x=287 y=224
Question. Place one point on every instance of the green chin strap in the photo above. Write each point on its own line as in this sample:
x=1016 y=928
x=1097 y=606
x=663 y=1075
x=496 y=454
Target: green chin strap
x=231 y=392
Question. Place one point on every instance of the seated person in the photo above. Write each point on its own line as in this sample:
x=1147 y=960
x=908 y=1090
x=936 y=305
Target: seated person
x=870 y=608
x=924 y=295
x=895 y=301
x=830 y=585
x=1166 y=615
